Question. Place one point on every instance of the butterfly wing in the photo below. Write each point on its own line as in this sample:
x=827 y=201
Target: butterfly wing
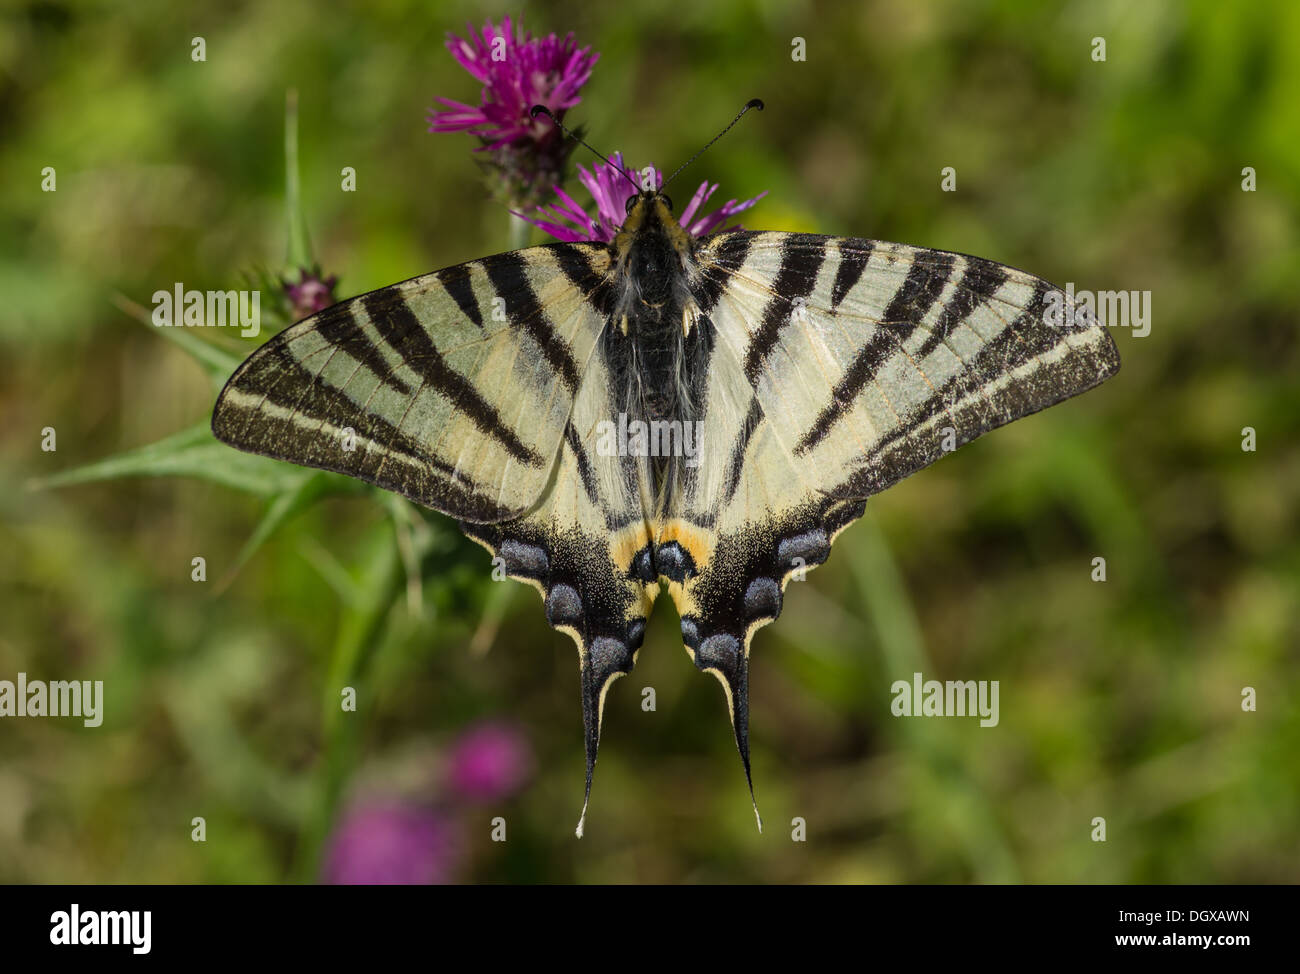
x=840 y=366
x=476 y=391
x=452 y=389
x=586 y=548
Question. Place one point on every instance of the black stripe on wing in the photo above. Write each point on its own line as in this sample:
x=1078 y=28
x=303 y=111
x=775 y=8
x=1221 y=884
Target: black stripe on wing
x=979 y=281
x=338 y=327
x=309 y=434
x=861 y=371
x=853 y=261
x=802 y=255
x=920 y=289
x=736 y=462
x=456 y=280
x=596 y=286
x=401 y=329
x=976 y=409
x=585 y=471
x=720 y=258
x=524 y=311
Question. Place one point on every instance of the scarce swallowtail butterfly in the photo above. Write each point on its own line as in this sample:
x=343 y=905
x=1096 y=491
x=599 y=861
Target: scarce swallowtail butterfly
x=805 y=372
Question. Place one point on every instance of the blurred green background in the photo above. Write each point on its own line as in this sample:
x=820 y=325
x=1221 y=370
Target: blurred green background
x=1119 y=699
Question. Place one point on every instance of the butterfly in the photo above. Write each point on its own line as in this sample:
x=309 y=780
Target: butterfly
x=611 y=420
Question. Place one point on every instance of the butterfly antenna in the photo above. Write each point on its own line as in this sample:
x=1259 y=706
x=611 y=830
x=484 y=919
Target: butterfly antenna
x=752 y=103
x=543 y=110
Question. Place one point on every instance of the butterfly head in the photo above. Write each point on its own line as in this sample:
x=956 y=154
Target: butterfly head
x=652 y=248
x=651 y=212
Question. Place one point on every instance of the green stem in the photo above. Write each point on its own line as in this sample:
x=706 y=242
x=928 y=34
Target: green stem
x=519 y=233
x=299 y=245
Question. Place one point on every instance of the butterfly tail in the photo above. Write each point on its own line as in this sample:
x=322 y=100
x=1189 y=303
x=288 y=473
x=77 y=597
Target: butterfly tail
x=603 y=661
x=585 y=597
x=725 y=657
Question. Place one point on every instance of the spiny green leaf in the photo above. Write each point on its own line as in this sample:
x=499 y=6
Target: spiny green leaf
x=314 y=486
x=217 y=362
x=331 y=570
x=194 y=452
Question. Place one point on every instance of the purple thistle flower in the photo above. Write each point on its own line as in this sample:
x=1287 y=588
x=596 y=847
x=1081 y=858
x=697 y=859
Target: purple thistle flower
x=391 y=842
x=611 y=191
x=312 y=293
x=518 y=71
x=489 y=762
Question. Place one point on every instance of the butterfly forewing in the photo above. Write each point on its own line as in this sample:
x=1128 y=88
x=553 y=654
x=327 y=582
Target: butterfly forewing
x=453 y=389
x=878 y=348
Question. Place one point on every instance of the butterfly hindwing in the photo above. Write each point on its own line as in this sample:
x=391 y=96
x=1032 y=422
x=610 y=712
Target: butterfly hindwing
x=840 y=366
x=453 y=389
x=586 y=548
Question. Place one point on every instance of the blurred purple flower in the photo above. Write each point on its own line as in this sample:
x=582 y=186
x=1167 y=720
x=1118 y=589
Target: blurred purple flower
x=518 y=71
x=391 y=842
x=489 y=762
x=312 y=293
x=610 y=191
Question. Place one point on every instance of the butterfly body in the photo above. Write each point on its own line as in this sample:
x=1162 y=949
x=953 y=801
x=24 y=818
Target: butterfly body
x=658 y=355
x=660 y=413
